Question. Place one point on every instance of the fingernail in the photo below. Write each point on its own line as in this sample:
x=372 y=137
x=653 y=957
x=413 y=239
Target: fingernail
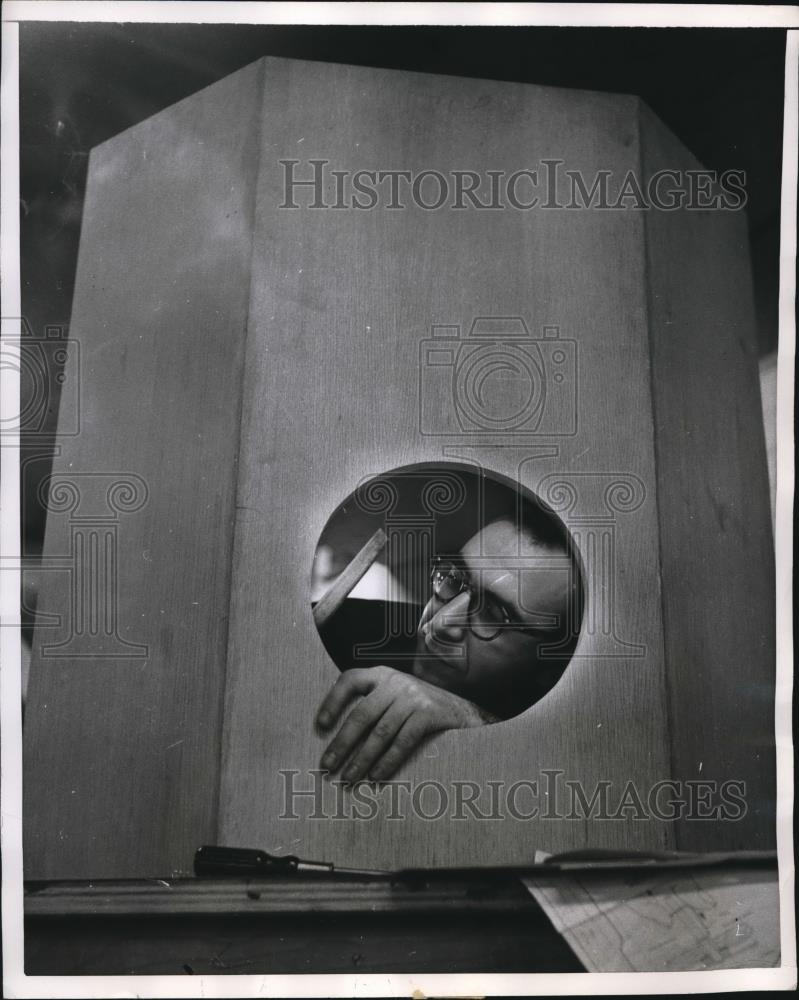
x=348 y=774
x=328 y=760
x=323 y=720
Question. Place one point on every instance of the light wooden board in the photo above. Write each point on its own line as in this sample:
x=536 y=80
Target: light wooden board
x=340 y=303
x=716 y=543
x=253 y=364
x=122 y=754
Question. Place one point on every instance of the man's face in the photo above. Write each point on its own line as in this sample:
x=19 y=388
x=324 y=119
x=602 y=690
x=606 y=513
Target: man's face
x=530 y=583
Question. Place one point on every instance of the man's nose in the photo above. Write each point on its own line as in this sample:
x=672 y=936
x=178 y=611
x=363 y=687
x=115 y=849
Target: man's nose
x=449 y=623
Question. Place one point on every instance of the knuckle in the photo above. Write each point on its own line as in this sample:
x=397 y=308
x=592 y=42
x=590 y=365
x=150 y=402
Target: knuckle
x=349 y=680
x=383 y=731
x=404 y=743
x=422 y=703
x=356 y=762
x=338 y=696
x=358 y=718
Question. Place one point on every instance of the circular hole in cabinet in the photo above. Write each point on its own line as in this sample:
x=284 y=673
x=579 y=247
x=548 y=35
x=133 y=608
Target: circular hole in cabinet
x=505 y=623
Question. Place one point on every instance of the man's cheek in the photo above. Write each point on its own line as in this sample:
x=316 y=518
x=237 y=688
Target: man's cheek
x=429 y=611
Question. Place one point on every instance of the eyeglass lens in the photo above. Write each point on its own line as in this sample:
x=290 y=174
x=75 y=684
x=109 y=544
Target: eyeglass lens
x=485 y=617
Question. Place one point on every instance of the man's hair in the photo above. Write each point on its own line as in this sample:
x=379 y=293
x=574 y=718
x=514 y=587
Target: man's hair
x=539 y=524
x=542 y=525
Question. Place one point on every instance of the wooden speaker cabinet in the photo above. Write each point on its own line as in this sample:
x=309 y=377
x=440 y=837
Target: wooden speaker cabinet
x=253 y=348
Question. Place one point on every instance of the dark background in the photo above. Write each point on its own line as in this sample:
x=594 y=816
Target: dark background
x=720 y=91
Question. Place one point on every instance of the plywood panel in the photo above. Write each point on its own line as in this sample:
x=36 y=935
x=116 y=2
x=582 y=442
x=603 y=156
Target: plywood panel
x=249 y=365
x=123 y=729
x=716 y=546
x=341 y=300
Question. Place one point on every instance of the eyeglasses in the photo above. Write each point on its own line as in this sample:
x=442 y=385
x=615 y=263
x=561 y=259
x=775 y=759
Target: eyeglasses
x=485 y=617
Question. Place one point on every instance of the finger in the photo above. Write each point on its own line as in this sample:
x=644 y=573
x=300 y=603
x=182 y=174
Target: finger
x=361 y=680
x=356 y=726
x=377 y=742
x=408 y=738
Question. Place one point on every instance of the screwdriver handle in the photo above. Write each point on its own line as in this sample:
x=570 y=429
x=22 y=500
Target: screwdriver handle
x=226 y=862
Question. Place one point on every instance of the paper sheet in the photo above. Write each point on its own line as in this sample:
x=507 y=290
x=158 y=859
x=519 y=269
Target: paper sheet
x=668 y=921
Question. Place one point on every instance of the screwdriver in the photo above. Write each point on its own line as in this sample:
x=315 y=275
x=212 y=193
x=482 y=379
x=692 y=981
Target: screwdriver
x=227 y=862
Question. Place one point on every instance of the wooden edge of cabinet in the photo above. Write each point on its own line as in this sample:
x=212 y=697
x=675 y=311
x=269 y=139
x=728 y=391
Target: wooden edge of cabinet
x=491 y=891
x=207 y=897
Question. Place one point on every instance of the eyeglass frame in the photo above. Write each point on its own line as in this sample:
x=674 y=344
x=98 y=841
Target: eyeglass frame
x=464 y=584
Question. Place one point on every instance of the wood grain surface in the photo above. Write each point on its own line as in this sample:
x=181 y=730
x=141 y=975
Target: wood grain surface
x=340 y=304
x=480 y=893
x=716 y=543
x=247 y=444
x=122 y=752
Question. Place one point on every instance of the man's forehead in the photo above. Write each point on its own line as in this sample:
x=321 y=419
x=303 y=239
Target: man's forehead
x=506 y=538
x=523 y=573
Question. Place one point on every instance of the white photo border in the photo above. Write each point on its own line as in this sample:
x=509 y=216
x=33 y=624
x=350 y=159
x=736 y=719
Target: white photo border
x=16 y=983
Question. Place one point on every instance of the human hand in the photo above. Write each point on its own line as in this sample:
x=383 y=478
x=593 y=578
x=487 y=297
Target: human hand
x=397 y=711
